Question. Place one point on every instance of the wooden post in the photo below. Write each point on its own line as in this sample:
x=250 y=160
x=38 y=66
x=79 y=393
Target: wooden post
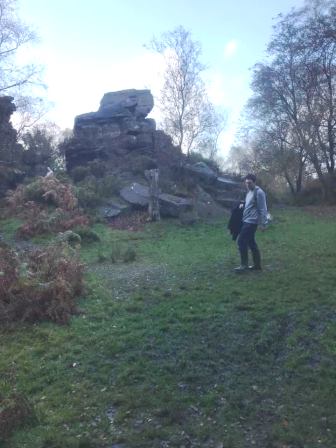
x=153 y=206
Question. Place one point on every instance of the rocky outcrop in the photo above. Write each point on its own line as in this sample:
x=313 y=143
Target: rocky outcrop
x=119 y=126
x=121 y=137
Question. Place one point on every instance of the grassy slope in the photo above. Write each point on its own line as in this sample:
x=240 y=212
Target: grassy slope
x=174 y=350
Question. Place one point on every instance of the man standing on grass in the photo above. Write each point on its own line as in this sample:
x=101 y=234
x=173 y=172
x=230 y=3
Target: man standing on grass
x=255 y=213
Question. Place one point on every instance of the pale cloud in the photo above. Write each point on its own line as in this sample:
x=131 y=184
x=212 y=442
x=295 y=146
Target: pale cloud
x=79 y=89
x=230 y=48
x=76 y=86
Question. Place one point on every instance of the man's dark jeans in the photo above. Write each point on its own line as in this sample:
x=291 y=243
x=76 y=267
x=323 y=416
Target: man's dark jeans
x=246 y=240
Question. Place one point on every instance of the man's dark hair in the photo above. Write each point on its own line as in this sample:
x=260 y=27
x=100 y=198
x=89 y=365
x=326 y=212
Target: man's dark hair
x=251 y=177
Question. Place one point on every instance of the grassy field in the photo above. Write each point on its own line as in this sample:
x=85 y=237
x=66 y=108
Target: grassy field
x=174 y=350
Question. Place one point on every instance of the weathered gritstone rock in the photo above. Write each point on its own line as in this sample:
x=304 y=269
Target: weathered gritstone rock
x=112 y=208
x=170 y=205
x=136 y=194
x=173 y=206
x=137 y=102
x=118 y=127
x=120 y=113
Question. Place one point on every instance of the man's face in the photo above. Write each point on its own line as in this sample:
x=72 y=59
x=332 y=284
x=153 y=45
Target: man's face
x=249 y=184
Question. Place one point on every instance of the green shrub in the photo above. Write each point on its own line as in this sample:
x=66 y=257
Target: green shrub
x=88 y=194
x=109 y=186
x=97 y=168
x=88 y=198
x=138 y=164
x=101 y=256
x=80 y=173
x=91 y=191
x=87 y=235
x=69 y=237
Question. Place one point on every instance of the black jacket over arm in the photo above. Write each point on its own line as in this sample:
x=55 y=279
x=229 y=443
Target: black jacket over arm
x=236 y=220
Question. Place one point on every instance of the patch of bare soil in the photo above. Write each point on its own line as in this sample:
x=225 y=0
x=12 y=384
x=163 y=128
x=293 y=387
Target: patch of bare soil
x=122 y=279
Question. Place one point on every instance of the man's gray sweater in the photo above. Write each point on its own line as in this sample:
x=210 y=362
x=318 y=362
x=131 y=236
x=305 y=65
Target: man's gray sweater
x=255 y=211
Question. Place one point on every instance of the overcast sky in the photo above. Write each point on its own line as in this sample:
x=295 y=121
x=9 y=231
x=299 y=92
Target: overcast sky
x=92 y=47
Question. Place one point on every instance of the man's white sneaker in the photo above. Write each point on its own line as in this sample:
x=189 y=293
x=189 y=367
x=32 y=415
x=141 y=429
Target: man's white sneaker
x=241 y=269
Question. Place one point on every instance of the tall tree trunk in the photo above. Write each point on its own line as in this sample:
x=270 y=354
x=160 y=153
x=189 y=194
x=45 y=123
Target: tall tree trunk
x=290 y=183
x=300 y=177
x=322 y=179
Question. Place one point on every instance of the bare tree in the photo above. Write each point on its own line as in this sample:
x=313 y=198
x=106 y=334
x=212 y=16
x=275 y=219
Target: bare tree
x=13 y=35
x=208 y=146
x=294 y=100
x=17 y=79
x=188 y=115
x=30 y=111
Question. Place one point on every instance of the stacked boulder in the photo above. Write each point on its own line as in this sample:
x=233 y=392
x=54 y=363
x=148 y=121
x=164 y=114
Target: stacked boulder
x=119 y=126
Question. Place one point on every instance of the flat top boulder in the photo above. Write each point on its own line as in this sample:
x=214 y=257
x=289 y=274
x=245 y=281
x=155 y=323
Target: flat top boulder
x=136 y=194
x=127 y=102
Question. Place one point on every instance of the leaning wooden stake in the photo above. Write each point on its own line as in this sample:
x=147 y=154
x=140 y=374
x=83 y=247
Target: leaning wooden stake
x=154 y=206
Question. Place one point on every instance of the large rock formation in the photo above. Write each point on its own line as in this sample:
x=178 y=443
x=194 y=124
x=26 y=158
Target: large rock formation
x=126 y=143
x=119 y=126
